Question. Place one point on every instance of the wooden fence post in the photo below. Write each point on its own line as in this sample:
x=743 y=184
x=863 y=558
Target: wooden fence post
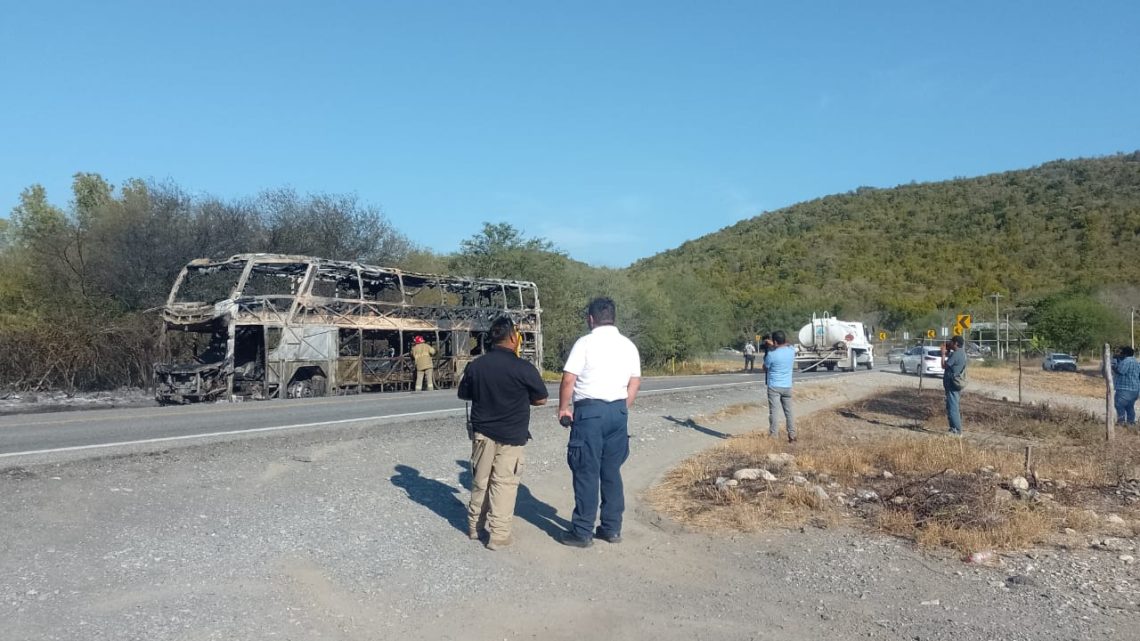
x=1019 y=372
x=1109 y=395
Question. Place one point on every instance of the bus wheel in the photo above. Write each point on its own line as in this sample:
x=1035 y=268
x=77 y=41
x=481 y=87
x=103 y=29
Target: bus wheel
x=307 y=383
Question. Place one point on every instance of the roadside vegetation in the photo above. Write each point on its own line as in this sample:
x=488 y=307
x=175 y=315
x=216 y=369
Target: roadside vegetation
x=79 y=283
x=884 y=463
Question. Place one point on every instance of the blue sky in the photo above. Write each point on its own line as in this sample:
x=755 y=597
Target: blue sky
x=614 y=129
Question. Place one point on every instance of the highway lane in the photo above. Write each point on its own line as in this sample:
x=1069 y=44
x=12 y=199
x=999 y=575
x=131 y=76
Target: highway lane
x=28 y=434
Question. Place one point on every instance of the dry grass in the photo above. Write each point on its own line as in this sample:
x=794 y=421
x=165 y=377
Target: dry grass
x=1086 y=382
x=942 y=491
x=1081 y=520
x=1021 y=528
x=698 y=366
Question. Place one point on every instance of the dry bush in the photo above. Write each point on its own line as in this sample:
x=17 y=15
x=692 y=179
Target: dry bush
x=1081 y=520
x=1022 y=528
x=78 y=352
x=962 y=511
x=690 y=472
x=896 y=522
x=801 y=497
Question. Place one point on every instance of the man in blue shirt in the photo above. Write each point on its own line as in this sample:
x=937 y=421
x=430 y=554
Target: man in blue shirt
x=1127 y=370
x=778 y=364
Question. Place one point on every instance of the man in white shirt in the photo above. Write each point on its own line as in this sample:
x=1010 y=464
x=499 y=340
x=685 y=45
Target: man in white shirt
x=601 y=376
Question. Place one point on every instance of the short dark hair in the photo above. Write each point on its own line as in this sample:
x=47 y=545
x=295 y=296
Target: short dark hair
x=958 y=341
x=779 y=337
x=602 y=310
x=1127 y=351
x=502 y=329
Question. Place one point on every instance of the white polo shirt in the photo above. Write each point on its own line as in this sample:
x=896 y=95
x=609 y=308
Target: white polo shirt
x=603 y=361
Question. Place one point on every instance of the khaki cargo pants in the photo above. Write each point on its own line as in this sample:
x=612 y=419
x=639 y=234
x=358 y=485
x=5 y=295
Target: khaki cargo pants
x=495 y=472
x=421 y=376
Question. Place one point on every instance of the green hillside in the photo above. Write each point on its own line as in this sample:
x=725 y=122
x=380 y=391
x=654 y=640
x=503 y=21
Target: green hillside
x=904 y=252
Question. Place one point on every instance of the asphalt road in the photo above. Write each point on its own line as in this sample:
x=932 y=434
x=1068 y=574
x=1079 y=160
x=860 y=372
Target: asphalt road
x=93 y=430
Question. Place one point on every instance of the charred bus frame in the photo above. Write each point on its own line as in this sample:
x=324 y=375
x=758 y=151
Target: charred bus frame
x=259 y=326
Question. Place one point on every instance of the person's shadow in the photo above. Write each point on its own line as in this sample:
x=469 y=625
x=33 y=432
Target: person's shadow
x=432 y=494
x=691 y=424
x=527 y=506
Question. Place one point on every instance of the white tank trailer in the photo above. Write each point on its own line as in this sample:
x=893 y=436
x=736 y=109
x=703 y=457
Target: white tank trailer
x=830 y=343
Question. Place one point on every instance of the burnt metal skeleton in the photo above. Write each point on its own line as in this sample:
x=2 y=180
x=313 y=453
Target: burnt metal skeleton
x=260 y=326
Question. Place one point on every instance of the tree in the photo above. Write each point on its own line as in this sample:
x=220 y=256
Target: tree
x=497 y=250
x=496 y=238
x=333 y=226
x=52 y=245
x=564 y=285
x=1077 y=323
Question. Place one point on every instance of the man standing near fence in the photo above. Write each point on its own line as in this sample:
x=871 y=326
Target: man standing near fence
x=953 y=380
x=1127 y=371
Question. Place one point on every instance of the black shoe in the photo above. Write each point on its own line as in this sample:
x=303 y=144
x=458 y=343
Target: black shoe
x=608 y=538
x=569 y=538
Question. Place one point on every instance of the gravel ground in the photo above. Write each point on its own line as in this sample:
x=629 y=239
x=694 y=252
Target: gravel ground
x=357 y=533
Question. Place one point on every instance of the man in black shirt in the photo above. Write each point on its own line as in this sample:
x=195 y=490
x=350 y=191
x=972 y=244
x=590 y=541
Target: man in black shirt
x=501 y=387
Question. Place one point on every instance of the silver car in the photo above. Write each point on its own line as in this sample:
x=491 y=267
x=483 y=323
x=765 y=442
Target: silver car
x=1058 y=362
x=922 y=359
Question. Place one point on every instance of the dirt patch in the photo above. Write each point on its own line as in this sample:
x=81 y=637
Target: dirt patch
x=885 y=463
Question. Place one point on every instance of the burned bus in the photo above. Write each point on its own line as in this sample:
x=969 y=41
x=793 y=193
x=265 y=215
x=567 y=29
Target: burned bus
x=261 y=326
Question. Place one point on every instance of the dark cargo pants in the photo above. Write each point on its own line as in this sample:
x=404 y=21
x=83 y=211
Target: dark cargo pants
x=599 y=444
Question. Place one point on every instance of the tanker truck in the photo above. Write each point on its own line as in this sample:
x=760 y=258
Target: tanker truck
x=830 y=343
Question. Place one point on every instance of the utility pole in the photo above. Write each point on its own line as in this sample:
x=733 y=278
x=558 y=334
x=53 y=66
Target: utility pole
x=1132 y=334
x=997 y=323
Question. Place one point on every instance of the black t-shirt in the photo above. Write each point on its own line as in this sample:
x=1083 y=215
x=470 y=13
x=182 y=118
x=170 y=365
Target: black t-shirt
x=501 y=386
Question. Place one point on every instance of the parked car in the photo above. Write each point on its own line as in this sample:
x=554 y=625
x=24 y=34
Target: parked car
x=922 y=359
x=896 y=354
x=976 y=351
x=1058 y=362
